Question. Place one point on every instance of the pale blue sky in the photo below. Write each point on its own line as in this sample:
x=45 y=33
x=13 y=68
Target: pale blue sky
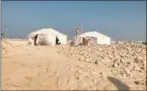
x=121 y=20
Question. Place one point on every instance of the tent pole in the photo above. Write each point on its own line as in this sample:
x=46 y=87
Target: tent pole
x=6 y=32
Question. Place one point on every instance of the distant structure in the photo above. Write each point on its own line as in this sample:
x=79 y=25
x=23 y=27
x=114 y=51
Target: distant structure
x=47 y=36
x=94 y=37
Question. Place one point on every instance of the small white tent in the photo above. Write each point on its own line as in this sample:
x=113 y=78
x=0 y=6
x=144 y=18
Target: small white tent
x=49 y=35
x=101 y=38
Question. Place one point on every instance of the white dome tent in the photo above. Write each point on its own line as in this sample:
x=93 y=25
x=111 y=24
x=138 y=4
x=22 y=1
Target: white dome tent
x=47 y=36
x=101 y=38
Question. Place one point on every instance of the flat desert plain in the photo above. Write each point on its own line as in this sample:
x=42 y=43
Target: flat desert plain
x=120 y=66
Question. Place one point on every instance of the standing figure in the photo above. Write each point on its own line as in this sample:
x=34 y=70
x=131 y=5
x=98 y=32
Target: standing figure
x=77 y=33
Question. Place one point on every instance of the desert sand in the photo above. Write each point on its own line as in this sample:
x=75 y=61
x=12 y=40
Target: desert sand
x=120 y=66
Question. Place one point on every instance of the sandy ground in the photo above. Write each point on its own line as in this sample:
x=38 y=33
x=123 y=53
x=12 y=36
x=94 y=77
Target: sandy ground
x=115 y=67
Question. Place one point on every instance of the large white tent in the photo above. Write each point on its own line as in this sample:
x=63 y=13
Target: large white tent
x=101 y=38
x=49 y=35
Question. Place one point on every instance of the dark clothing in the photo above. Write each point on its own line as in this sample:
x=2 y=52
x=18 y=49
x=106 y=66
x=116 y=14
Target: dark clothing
x=35 y=38
x=57 y=41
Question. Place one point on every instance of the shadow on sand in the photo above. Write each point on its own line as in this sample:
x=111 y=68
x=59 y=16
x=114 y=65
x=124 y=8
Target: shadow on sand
x=118 y=84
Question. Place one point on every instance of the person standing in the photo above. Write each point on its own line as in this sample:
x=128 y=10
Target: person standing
x=77 y=33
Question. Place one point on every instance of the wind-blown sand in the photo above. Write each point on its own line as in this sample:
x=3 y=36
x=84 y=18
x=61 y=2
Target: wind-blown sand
x=119 y=66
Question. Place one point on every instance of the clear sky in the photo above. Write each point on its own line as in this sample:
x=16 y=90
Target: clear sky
x=121 y=20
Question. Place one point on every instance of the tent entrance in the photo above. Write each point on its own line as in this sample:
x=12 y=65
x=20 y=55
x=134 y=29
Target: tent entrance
x=35 y=39
x=57 y=41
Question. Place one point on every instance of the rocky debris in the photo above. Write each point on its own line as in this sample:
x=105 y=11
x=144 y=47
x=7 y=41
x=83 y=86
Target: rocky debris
x=124 y=57
x=124 y=60
x=141 y=82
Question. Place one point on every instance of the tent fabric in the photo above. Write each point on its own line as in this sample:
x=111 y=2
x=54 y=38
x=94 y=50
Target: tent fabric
x=101 y=38
x=44 y=39
x=47 y=31
x=48 y=36
x=92 y=34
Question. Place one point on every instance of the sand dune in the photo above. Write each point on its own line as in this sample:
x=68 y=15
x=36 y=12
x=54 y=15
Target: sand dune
x=119 y=66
